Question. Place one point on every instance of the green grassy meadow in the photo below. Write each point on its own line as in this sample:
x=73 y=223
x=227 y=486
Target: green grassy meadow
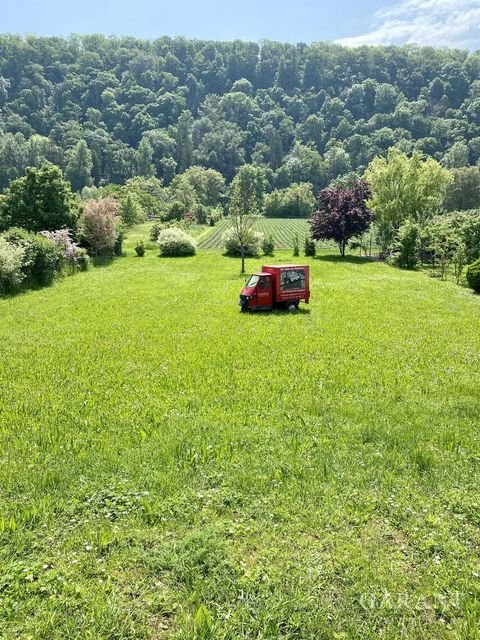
x=171 y=468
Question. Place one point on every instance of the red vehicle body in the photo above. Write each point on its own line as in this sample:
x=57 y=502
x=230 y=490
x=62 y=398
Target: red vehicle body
x=283 y=285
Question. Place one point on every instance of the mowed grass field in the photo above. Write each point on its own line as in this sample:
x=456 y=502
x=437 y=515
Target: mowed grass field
x=282 y=230
x=171 y=468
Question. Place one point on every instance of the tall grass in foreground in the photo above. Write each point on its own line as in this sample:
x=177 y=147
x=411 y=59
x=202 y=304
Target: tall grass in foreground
x=170 y=468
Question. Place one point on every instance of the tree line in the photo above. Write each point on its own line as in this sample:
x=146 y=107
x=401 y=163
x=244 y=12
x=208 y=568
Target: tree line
x=42 y=219
x=403 y=196
x=108 y=109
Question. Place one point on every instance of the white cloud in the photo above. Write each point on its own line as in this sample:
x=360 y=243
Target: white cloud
x=451 y=23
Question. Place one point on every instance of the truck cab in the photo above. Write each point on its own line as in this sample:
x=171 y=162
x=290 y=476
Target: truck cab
x=257 y=293
x=276 y=286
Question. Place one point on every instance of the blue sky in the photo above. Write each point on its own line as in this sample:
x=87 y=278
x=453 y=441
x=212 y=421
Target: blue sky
x=351 y=22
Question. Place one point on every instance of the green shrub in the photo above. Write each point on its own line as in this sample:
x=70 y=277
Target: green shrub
x=296 y=201
x=82 y=259
x=158 y=227
x=43 y=257
x=252 y=244
x=140 y=249
x=459 y=260
x=446 y=234
x=65 y=245
x=131 y=211
x=118 y=246
x=175 y=242
x=174 y=211
x=444 y=239
x=43 y=261
x=296 y=245
x=215 y=215
x=406 y=246
x=155 y=231
x=16 y=235
x=268 y=246
x=471 y=234
x=473 y=276
x=12 y=258
x=201 y=214
x=310 y=247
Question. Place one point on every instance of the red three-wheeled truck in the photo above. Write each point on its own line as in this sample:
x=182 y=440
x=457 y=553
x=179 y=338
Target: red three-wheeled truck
x=282 y=286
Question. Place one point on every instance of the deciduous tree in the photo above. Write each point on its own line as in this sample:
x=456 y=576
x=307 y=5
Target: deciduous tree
x=246 y=201
x=183 y=139
x=40 y=201
x=342 y=214
x=144 y=159
x=464 y=192
x=79 y=166
x=296 y=201
x=402 y=188
x=99 y=225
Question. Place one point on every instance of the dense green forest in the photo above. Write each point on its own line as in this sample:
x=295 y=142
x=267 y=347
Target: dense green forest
x=106 y=109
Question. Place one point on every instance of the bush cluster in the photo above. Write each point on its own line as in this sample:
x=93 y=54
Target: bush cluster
x=473 y=275
x=43 y=261
x=215 y=215
x=42 y=257
x=406 y=246
x=447 y=241
x=158 y=227
x=268 y=246
x=463 y=226
x=252 y=244
x=73 y=256
x=155 y=231
x=30 y=260
x=174 y=242
x=11 y=261
x=100 y=227
x=310 y=248
x=140 y=249
x=296 y=201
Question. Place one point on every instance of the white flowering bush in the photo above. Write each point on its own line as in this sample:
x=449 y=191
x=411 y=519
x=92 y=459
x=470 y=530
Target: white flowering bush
x=252 y=245
x=12 y=259
x=42 y=261
x=175 y=242
x=62 y=239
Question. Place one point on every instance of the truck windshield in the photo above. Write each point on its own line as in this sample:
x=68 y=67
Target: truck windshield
x=253 y=281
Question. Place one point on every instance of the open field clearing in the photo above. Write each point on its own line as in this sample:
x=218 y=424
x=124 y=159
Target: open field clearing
x=171 y=468
x=282 y=230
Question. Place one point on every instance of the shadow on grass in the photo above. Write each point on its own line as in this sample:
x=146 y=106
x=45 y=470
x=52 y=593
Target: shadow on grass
x=190 y=255
x=26 y=288
x=103 y=261
x=345 y=259
x=247 y=258
x=301 y=311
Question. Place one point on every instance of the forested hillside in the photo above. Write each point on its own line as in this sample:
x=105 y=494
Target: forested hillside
x=105 y=109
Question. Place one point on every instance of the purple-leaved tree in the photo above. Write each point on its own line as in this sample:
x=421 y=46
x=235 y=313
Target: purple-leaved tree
x=342 y=214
